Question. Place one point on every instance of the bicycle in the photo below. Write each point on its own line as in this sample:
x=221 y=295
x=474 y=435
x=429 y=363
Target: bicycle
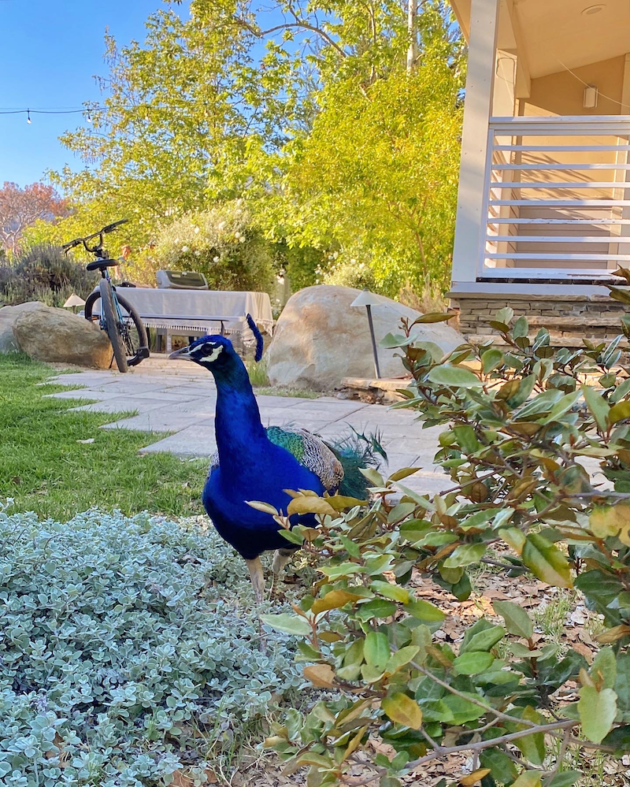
x=115 y=315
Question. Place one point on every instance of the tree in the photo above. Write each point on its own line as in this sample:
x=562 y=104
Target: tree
x=22 y=207
x=338 y=125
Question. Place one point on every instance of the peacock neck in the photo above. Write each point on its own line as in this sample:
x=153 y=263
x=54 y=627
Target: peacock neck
x=238 y=427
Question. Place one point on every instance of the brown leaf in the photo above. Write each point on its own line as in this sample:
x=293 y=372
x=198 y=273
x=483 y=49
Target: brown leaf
x=320 y=675
x=474 y=778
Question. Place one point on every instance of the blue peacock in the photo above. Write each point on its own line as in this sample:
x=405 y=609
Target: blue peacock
x=257 y=463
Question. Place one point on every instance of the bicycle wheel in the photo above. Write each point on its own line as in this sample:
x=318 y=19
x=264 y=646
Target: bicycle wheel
x=135 y=336
x=133 y=331
x=113 y=325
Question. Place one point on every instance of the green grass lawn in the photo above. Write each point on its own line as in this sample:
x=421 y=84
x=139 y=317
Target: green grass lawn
x=46 y=469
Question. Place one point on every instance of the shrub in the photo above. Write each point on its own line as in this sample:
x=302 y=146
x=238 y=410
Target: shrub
x=223 y=243
x=119 y=654
x=44 y=273
x=521 y=424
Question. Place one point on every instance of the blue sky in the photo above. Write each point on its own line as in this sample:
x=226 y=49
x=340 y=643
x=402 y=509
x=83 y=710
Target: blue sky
x=49 y=55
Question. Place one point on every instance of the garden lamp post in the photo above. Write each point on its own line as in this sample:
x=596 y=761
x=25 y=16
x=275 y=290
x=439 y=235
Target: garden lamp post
x=73 y=302
x=369 y=299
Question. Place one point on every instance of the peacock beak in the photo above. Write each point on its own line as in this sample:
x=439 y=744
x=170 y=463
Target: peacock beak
x=182 y=354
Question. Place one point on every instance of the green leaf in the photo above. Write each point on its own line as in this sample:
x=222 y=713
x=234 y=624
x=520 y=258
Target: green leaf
x=377 y=608
x=564 y=779
x=483 y=640
x=292 y=536
x=504 y=315
x=400 y=658
x=373 y=476
x=403 y=710
x=521 y=328
x=562 y=406
x=376 y=650
x=598 y=406
x=619 y=412
x=395 y=592
x=341 y=570
x=529 y=779
x=604 y=667
x=473 y=663
x=465 y=554
x=354 y=550
x=532 y=746
x=490 y=359
x=517 y=621
x=546 y=561
x=424 y=610
x=434 y=317
x=502 y=768
x=288 y=624
x=414 y=529
x=597 y=711
x=466 y=438
x=393 y=340
x=453 y=377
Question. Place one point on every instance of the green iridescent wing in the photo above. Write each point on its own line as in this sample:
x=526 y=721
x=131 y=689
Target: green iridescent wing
x=311 y=452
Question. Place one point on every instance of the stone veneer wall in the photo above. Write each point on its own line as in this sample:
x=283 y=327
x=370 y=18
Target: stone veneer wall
x=569 y=319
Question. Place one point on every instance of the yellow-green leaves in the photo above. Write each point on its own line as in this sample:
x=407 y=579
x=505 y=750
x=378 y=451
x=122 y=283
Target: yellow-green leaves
x=376 y=651
x=611 y=521
x=517 y=621
x=395 y=592
x=403 y=710
x=529 y=779
x=333 y=600
x=454 y=377
x=598 y=406
x=597 y=711
x=473 y=663
x=287 y=623
x=464 y=555
x=546 y=561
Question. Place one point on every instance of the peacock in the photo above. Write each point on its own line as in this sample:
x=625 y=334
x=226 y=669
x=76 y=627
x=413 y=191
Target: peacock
x=254 y=463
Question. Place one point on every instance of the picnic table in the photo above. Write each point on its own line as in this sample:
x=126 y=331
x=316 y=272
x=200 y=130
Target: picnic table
x=198 y=312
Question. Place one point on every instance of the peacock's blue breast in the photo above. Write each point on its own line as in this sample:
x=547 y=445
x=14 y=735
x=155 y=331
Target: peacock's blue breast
x=261 y=478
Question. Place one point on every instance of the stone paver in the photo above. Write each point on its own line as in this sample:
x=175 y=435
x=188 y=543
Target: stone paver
x=170 y=396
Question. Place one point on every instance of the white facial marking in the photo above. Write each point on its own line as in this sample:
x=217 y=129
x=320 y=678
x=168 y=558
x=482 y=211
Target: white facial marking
x=214 y=354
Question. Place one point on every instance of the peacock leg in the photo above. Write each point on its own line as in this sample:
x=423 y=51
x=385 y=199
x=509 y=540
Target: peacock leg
x=280 y=559
x=257 y=577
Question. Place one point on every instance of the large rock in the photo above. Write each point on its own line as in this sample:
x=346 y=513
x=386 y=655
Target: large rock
x=320 y=338
x=57 y=336
x=8 y=316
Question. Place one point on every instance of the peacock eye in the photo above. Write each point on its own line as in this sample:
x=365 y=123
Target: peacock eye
x=207 y=348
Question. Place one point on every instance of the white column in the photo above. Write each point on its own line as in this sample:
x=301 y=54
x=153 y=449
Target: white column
x=470 y=226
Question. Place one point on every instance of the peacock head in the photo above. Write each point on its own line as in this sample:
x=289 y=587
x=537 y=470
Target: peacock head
x=212 y=352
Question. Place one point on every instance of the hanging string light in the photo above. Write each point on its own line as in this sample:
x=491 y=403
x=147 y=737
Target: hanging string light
x=28 y=116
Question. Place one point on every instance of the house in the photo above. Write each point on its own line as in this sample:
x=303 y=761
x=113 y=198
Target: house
x=543 y=215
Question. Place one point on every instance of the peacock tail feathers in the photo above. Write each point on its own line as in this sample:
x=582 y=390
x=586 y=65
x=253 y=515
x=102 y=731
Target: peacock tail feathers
x=311 y=452
x=356 y=452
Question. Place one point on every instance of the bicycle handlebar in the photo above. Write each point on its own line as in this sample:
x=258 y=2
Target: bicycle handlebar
x=99 y=234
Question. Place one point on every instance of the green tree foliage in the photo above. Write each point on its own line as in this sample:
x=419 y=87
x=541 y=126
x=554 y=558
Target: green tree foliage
x=223 y=243
x=377 y=174
x=521 y=422
x=336 y=144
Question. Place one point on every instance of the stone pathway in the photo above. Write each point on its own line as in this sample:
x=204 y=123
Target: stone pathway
x=170 y=396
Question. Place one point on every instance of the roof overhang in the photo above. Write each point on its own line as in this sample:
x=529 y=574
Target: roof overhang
x=559 y=34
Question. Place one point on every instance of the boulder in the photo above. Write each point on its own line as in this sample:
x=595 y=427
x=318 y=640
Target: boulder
x=57 y=336
x=320 y=338
x=8 y=316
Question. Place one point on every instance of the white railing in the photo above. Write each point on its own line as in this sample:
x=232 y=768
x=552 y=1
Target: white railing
x=551 y=213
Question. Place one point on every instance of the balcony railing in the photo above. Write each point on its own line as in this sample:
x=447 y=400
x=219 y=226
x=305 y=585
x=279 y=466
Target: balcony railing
x=557 y=199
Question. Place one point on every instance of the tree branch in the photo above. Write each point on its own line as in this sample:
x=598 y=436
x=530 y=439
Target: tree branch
x=286 y=25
